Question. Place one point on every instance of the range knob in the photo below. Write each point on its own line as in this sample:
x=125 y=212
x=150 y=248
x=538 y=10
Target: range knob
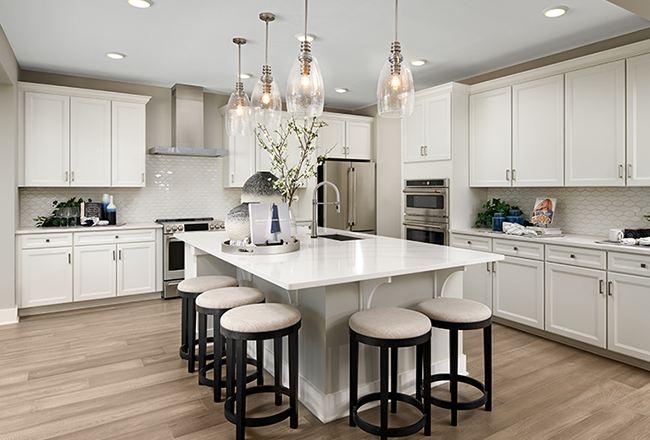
x=212 y=226
x=174 y=228
x=168 y=228
x=181 y=228
x=222 y=226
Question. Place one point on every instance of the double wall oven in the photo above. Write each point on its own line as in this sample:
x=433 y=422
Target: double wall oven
x=174 y=249
x=426 y=210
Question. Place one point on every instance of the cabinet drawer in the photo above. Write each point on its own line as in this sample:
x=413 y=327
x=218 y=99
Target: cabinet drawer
x=523 y=249
x=33 y=241
x=633 y=264
x=471 y=242
x=589 y=258
x=114 y=237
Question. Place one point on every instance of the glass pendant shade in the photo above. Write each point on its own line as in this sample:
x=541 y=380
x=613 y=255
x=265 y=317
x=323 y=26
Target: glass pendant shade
x=238 y=115
x=305 y=93
x=267 y=107
x=395 y=90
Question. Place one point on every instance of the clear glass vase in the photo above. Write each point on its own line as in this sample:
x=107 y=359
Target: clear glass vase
x=292 y=222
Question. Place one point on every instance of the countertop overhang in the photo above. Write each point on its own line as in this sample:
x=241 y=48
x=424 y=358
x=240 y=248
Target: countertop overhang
x=321 y=261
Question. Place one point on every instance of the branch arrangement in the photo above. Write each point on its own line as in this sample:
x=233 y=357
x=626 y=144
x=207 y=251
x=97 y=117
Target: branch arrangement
x=290 y=178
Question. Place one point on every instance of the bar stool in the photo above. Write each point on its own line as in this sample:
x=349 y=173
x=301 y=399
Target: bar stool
x=461 y=314
x=215 y=303
x=188 y=290
x=259 y=322
x=390 y=328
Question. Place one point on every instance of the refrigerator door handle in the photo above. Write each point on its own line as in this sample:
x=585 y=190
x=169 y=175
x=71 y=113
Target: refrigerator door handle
x=348 y=221
x=354 y=195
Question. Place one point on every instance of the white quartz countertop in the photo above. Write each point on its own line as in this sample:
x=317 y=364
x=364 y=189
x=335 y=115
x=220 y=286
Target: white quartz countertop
x=50 y=230
x=583 y=241
x=322 y=261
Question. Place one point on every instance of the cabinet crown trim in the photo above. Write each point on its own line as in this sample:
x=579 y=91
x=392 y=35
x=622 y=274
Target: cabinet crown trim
x=82 y=93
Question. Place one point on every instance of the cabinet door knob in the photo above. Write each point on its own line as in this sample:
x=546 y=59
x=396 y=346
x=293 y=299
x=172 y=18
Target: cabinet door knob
x=469 y=242
x=47 y=240
x=515 y=248
x=572 y=256
x=643 y=265
x=117 y=236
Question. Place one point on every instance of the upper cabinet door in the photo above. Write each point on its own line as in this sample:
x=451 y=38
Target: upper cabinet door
x=47 y=139
x=128 y=141
x=358 y=140
x=414 y=128
x=332 y=137
x=538 y=132
x=595 y=126
x=90 y=142
x=638 y=115
x=438 y=128
x=490 y=138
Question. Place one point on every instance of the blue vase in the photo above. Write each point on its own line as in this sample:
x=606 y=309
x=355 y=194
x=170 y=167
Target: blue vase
x=497 y=221
x=514 y=216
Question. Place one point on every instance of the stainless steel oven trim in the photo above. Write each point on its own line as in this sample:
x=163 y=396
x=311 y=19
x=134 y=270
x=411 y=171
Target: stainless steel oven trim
x=426 y=211
x=170 y=274
x=428 y=227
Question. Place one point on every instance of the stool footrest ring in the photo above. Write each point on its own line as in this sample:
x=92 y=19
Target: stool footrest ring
x=259 y=421
x=472 y=404
x=402 y=431
x=184 y=353
x=203 y=380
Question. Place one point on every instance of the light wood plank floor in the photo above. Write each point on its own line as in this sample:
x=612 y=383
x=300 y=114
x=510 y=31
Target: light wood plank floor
x=114 y=373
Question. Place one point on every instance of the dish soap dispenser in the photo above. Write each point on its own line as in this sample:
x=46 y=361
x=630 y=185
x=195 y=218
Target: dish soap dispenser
x=111 y=212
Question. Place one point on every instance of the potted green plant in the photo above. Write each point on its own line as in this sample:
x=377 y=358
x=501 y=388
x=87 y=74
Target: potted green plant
x=55 y=219
x=491 y=207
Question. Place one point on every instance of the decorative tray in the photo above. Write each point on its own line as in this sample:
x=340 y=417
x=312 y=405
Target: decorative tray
x=260 y=250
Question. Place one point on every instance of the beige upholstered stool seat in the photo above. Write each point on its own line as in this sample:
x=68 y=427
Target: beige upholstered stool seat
x=454 y=310
x=390 y=323
x=229 y=297
x=201 y=284
x=257 y=318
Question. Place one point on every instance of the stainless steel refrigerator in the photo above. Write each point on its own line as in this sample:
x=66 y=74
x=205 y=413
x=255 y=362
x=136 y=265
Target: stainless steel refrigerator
x=356 y=184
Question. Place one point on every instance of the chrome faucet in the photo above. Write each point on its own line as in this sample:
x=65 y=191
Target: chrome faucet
x=315 y=203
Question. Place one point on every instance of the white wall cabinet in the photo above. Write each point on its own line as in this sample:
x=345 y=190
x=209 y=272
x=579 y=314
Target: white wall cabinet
x=240 y=163
x=490 y=138
x=351 y=137
x=538 y=132
x=80 y=138
x=595 y=126
x=638 y=115
x=427 y=132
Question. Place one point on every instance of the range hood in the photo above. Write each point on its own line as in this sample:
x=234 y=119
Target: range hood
x=187 y=125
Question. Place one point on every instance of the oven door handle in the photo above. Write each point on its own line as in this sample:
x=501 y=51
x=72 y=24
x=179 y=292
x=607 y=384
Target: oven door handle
x=432 y=191
x=426 y=227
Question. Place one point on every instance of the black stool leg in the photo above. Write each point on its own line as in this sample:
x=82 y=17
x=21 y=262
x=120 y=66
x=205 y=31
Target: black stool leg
x=203 y=341
x=191 y=333
x=260 y=362
x=487 y=354
x=383 y=392
x=426 y=348
x=230 y=367
x=354 y=375
x=183 y=324
x=293 y=379
x=393 y=379
x=241 y=389
x=453 y=372
x=418 y=372
x=277 y=367
x=218 y=355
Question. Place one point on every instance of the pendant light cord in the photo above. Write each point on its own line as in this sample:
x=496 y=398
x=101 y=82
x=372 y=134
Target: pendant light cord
x=396 y=20
x=305 y=36
x=239 y=73
x=266 y=59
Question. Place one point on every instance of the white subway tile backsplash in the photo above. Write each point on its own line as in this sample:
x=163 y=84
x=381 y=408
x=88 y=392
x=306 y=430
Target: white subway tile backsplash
x=591 y=211
x=177 y=186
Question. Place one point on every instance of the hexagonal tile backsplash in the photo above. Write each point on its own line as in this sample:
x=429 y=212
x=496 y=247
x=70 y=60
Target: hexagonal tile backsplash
x=590 y=211
x=176 y=187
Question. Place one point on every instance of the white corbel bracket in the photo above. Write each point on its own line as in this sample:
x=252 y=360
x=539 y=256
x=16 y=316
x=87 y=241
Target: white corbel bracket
x=367 y=290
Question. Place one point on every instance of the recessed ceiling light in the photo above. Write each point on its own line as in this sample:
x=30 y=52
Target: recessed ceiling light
x=418 y=63
x=115 y=55
x=555 y=11
x=245 y=75
x=340 y=90
x=142 y=4
x=301 y=37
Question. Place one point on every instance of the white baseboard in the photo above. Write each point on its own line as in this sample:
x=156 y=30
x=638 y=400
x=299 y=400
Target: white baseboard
x=329 y=407
x=9 y=316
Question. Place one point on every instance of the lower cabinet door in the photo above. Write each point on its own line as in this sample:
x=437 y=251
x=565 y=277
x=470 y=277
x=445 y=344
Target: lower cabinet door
x=477 y=283
x=576 y=303
x=136 y=268
x=628 y=303
x=45 y=276
x=519 y=291
x=94 y=272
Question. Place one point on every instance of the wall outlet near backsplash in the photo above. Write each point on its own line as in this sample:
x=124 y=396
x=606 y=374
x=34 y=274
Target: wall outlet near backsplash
x=586 y=211
x=176 y=187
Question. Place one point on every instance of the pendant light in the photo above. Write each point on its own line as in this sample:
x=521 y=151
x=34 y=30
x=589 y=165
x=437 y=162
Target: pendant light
x=305 y=88
x=395 y=91
x=265 y=99
x=238 y=113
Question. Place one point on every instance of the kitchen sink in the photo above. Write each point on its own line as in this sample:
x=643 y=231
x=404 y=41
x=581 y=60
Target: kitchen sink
x=339 y=237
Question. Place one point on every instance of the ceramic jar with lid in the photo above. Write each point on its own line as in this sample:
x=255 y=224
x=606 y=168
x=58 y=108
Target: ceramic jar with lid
x=514 y=216
x=497 y=221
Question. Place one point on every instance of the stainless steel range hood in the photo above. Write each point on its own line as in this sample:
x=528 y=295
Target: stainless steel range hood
x=187 y=125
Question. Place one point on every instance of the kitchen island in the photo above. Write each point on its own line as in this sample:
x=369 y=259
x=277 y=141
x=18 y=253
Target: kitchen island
x=329 y=280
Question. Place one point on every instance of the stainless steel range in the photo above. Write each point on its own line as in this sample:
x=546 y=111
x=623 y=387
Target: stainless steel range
x=174 y=249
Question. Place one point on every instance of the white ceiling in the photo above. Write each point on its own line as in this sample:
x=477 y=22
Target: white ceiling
x=190 y=41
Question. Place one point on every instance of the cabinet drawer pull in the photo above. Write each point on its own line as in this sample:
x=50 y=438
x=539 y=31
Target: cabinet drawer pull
x=117 y=236
x=629 y=171
x=610 y=288
x=47 y=240
x=620 y=171
x=515 y=248
x=69 y=258
x=469 y=242
x=66 y=176
x=142 y=177
x=488 y=266
x=643 y=265
x=113 y=255
x=572 y=256
x=494 y=266
x=72 y=176
x=602 y=286
x=119 y=254
x=514 y=174
x=508 y=175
